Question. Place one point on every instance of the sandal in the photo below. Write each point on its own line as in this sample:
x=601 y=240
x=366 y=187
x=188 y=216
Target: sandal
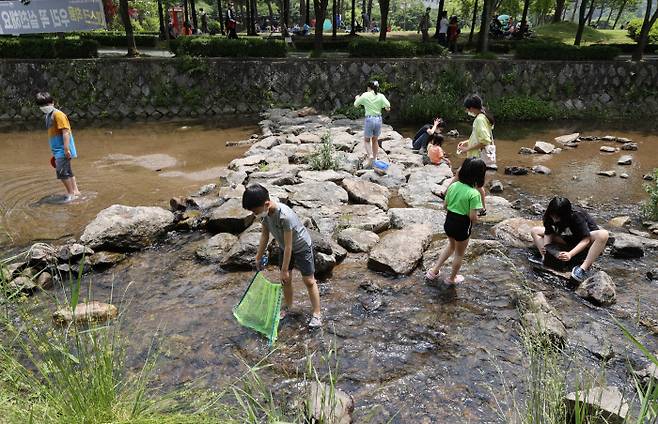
x=458 y=279
x=431 y=276
x=482 y=212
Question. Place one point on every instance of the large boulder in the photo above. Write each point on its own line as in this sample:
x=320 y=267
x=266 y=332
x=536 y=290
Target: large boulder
x=324 y=263
x=242 y=255
x=599 y=288
x=422 y=185
x=328 y=219
x=216 y=247
x=544 y=147
x=567 y=139
x=498 y=209
x=394 y=176
x=327 y=175
x=399 y=251
x=605 y=403
x=123 y=228
x=317 y=194
x=629 y=246
x=230 y=217
x=515 y=232
x=356 y=240
x=405 y=217
x=279 y=176
x=476 y=248
x=93 y=311
x=329 y=405
x=361 y=191
x=543 y=323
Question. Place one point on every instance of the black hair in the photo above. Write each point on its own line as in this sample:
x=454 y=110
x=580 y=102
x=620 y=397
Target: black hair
x=444 y=14
x=374 y=86
x=436 y=139
x=254 y=197
x=560 y=207
x=442 y=123
x=475 y=102
x=472 y=172
x=44 y=98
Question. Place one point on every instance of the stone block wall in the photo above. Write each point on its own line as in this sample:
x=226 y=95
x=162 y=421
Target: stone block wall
x=194 y=88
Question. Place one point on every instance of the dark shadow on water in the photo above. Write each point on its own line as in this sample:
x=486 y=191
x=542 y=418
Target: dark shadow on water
x=61 y=199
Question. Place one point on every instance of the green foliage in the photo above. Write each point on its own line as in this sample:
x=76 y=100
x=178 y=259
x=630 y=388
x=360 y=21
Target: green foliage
x=522 y=108
x=650 y=206
x=565 y=32
x=367 y=47
x=444 y=97
x=328 y=43
x=407 y=18
x=208 y=46
x=47 y=48
x=635 y=26
x=118 y=39
x=324 y=157
x=543 y=50
x=350 y=111
x=485 y=56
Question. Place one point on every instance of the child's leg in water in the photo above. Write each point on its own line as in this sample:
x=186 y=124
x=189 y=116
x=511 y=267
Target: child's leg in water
x=599 y=240
x=460 y=248
x=445 y=254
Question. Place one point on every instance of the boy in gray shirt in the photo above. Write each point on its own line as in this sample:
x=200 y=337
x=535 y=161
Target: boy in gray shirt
x=296 y=249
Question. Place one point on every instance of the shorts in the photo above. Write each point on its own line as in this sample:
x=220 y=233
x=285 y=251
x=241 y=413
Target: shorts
x=63 y=168
x=302 y=260
x=457 y=226
x=372 y=126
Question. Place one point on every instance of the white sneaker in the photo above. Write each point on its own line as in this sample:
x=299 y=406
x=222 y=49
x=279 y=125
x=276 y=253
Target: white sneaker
x=315 y=322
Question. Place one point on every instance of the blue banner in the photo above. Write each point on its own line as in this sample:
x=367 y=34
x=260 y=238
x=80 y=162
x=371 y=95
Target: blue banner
x=47 y=16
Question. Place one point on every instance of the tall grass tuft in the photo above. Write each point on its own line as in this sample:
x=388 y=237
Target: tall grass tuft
x=324 y=158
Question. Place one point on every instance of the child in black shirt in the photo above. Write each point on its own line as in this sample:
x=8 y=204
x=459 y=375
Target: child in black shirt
x=573 y=227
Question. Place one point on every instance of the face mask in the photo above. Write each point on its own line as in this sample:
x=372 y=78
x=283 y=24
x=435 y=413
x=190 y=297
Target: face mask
x=47 y=109
x=471 y=114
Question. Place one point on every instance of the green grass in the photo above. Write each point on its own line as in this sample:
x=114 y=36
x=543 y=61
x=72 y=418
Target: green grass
x=565 y=32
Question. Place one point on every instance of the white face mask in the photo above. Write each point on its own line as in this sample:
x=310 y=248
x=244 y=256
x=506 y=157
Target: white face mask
x=471 y=114
x=47 y=109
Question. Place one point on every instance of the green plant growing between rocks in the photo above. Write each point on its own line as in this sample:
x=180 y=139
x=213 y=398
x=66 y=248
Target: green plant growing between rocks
x=350 y=111
x=324 y=157
x=650 y=206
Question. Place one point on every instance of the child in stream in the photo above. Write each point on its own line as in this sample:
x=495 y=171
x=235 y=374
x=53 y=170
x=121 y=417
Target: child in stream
x=374 y=102
x=573 y=229
x=61 y=142
x=462 y=202
x=294 y=240
x=479 y=143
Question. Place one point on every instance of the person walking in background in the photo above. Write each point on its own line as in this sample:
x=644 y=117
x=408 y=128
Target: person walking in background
x=62 y=144
x=231 y=21
x=443 y=29
x=374 y=102
x=424 y=26
x=204 y=21
x=453 y=33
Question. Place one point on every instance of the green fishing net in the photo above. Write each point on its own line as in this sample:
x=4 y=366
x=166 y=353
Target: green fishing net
x=260 y=306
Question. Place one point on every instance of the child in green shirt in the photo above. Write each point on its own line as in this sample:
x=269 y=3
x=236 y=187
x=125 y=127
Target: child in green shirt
x=462 y=202
x=374 y=102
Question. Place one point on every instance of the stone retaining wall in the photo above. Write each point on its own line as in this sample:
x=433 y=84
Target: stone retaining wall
x=189 y=87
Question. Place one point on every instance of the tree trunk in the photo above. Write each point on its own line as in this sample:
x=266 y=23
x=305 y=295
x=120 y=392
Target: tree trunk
x=370 y=10
x=575 y=7
x=524 y=16
x=438 y=18
x=483 y=39
x=559 y=8
x=475 y=14
x=254 y=16
x=353 y=19
x=194 y=18
x=162 y=21
x=642 y=42
x=383 y=7
x=333 y=19
x=286 y=17
x=186 y=11
x=308 y=12
x=220 y=14
x=582 y=18
x=247 y=16
x=302 y=11
x=590 y=13
x=564 y=13
x=600 y=15
x=621 y=10
x=320 y=7
x=130 y=36
x=609 y=16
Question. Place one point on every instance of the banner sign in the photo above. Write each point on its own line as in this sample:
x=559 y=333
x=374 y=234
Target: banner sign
x=46 y=16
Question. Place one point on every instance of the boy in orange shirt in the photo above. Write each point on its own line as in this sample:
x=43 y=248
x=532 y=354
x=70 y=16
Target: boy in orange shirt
x=61 y=142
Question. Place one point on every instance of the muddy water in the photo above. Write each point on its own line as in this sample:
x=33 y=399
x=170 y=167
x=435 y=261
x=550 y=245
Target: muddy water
x=135 y=164
x=408 y=352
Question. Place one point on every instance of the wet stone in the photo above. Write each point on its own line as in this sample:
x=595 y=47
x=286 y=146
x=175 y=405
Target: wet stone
x=242 y=255
x=516 y=170
x=515 y=232
x=566 y=139
x=630 y=146
x=361 y=191
x=606 y=173
x=356 y=240
x=496 y=186
x=526 y=151
x=405 y=217
x=599 y=288
x=541 y=169
x=602 y=402
x=625 y=160
x=216 y=247
x=230 y=218
x=627 y=247
x=103 y=260
x=86 y=312
x=399 y=251
x=544 y=147
x=608 y=149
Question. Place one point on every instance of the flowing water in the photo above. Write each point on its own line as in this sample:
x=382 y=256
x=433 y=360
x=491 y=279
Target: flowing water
x=137 y=164
x=408 y=352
